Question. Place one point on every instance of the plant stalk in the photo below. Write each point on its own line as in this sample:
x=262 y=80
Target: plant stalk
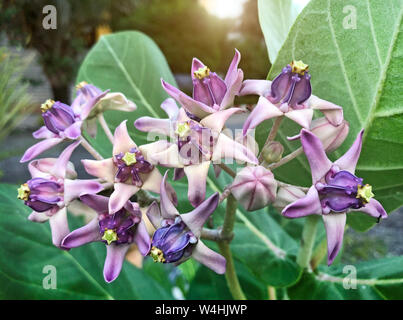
x=307 y=241
x=90 y=149
x=105 y=127
x=227 y=233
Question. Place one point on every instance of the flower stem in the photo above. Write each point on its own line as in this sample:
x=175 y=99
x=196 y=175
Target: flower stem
x=307 y=241
x=90 y=149
x=105 y=127
x=286 y=159
x=227 y=233
x=272 y=134
x=319 y=254
x=227 y=169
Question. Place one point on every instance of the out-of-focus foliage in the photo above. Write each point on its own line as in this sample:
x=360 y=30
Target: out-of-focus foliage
x=14 y=100
x=184 y=29
x=61 y=49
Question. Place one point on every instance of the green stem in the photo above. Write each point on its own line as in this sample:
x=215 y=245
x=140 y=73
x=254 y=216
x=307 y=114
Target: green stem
x=87 y=146
x=319 y=254
x=227 y=233
x=105 y=127
x=272 y=134
x=307 y=242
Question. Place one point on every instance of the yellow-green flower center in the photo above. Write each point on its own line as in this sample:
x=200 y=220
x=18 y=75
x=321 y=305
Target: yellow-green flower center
x=47 y=105
x=201 y=73
x=110 y=235
x=157 y=254
x=299 y=67
x=129 y=158
x=23 y=192
x=365 y=193
x=81 y=85
x=183 y=130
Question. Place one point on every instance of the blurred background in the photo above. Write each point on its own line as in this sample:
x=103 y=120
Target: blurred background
x=38 y=64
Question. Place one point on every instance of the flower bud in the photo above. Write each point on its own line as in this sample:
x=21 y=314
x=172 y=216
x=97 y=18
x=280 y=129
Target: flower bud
x=331 y=136
x=254 y=187
x=287 y=195
x=272 y=152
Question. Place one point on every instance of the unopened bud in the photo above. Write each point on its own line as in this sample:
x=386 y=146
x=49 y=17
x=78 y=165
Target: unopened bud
x=331 y=136
x=287 y=195
x=272 y=152
x=254 y=187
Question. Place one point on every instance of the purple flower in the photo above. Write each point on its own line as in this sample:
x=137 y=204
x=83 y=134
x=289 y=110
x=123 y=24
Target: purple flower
x=118 y=231
x=335 y=191
x=177 y=237
x=289 y=95
x=195 y=145
x=51 y=189
x=64 y=122
x=128 y=169
x=210 y=92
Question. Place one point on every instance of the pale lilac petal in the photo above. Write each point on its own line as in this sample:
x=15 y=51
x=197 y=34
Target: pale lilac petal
x=232 y=73
x=227 y=148
x=255 y=87
x=171 y=109
x=59 y=227
x=197 y=176
x=168 y=158
x=168 y=210
x=121 y=195
x=115 y=255
x=148 y=150
x=209 y=258
x=303 y=117
x=287 y=195
x=97 y=202
x=121 y=139
x=148 y=124
x=43 y=167
x=332 y=112
x=103 y=169
x=309 y=204
x=334 y=225
x=154 y=215
x=196 y=218
x=142 y=239
x=349 y=160
x=74 y=131
x=59 y=169
x=76 y=188
x=216 y=121
x=86 y=234
x=116 y=101
x=39 y=147
x=43 y=133
x=263 y=110
x=90 y=104
x=232 y=91
x=196 y=108
x=39 y=216
x=152 y=180
x=373 y=209
x=316 y=155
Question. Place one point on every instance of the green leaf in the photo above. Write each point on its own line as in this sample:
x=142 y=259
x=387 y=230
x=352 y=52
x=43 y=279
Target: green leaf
x=358 y=69
x=131 y=63
x=377 y=279
x=27 y=248
x=276 y=18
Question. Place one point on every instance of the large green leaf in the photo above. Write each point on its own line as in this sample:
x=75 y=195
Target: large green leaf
x=360 y=70
x=128 y=62
x=26 y=248
x=378 y=279
x=276 y=18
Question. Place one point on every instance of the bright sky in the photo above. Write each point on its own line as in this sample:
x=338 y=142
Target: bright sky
x=232 y=8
